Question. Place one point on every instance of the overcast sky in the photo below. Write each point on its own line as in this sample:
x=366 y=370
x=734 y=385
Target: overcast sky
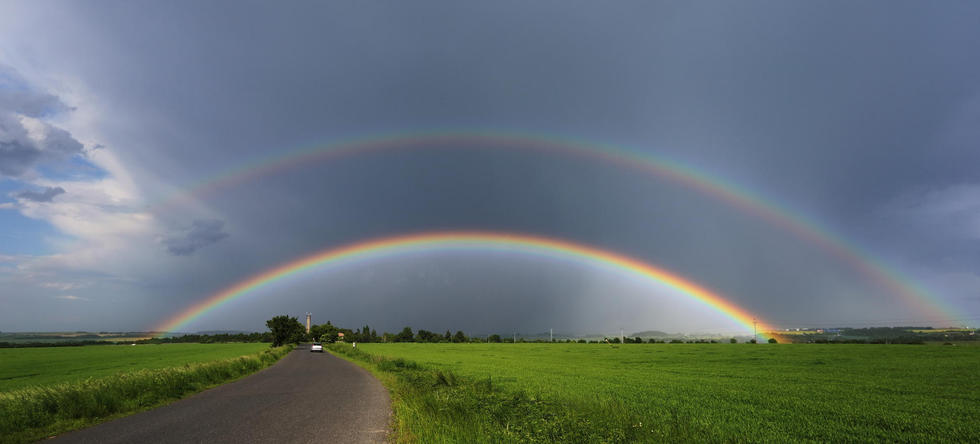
x=864 y=117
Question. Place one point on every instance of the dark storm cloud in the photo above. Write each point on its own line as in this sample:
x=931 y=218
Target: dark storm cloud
x=45 y=195
x=834 y=110
x=200 y=234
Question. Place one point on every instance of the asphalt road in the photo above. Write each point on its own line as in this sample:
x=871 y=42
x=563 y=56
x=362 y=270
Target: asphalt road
x=304 y=398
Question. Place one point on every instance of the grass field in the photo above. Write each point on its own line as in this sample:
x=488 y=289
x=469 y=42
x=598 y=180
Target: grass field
x=681 y=392
x=67 y=388
x=23 y=367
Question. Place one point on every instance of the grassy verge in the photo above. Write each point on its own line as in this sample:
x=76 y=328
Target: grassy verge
x=436 y=405
x=33 y=413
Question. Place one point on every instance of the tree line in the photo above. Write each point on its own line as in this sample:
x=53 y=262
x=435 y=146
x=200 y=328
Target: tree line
x=287 y=329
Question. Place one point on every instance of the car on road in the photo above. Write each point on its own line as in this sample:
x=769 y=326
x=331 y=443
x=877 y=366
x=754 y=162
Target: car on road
x=316 y=347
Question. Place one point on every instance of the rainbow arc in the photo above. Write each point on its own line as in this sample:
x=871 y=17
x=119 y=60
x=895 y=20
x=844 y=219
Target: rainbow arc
x=468 y=240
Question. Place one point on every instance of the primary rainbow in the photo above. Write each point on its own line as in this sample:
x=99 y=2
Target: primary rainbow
x=468 y=240
x=931 y=307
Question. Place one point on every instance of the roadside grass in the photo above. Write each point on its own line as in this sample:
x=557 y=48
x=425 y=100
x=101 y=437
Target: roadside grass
x=677 y=392
x=33 y=413
x=24 y=367
x=437 y=405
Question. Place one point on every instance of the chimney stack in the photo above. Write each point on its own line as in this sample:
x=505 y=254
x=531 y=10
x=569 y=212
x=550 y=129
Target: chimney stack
x=308 y=316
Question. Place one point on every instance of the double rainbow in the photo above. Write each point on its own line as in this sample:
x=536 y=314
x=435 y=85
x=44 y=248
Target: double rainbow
x=928 y=305
x=469 y=240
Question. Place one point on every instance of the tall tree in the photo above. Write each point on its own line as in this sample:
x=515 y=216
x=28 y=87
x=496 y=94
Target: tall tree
x=285 y=329
x=459 y=337
x=406 y=335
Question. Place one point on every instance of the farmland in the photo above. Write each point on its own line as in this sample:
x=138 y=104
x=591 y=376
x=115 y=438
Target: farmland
x=656 y=392
x=52 y=390
x=22 y=367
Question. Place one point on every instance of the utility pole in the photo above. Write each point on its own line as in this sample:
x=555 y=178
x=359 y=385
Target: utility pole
x=755 y=330
x=622 y=339
x=551 y=333
x=515 y=337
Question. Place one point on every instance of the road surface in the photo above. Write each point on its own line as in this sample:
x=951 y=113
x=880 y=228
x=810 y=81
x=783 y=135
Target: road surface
x=304 y=398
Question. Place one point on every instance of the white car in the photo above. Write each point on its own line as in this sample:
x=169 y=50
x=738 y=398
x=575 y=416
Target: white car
x=316 y=347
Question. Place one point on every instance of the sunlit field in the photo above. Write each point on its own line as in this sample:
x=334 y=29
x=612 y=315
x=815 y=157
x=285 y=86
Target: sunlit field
x=22 y=367
x=714 y=392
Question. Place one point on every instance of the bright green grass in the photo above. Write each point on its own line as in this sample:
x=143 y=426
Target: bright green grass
x=726 y=392
x=23 y=367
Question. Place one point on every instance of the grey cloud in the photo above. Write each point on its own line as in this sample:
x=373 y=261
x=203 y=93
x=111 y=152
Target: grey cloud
x=17 y=96
x=16 y=157
x=201 y=234
x=59 y=143
x=19 y=152
x=40 y=196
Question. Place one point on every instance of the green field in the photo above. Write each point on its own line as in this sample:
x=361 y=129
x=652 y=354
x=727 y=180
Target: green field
x=47 y=391
x=23 y=367
x=686 y=392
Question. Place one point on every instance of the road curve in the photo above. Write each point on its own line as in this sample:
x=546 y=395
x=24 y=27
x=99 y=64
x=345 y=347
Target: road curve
x=304 y=398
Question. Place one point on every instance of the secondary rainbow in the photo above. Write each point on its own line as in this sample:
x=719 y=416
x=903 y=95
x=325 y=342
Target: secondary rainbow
x=931 y=307
x=520 y=243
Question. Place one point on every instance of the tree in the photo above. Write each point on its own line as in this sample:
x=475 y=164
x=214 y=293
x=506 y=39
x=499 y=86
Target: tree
x=494 y=338
x=448 y=337
x=733 y=341
x=406 y=335
x=324 y=332
x=427 y=336
x=285 y=329
x=773 y=341
x=459 y=337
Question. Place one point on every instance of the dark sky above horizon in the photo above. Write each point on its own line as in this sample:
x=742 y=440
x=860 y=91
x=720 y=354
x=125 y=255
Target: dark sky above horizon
x=864 y=118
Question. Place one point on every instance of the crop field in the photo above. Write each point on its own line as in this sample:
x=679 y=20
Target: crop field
x=691 y=392
x=23 y=367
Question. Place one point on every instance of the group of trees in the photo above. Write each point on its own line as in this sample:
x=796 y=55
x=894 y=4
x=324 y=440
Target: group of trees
x=210 y=338
x=331 y=333
x=286 y=329
x=406 y=335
